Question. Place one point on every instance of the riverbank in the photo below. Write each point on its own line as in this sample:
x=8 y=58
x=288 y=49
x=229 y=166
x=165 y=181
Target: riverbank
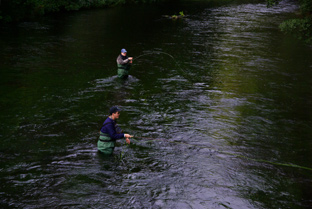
x=24 y=10
x=19 y=10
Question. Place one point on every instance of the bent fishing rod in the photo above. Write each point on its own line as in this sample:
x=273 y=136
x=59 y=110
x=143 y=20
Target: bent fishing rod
x=155 y=52
x=185 y=74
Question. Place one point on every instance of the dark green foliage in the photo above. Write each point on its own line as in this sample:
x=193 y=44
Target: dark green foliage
x=300 y=28
x=140 y=1
x=16 y=10
x=271 y=3
x=306 y=6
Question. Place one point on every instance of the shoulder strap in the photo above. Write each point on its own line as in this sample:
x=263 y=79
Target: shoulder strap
x=105 y=124
x=105 y=135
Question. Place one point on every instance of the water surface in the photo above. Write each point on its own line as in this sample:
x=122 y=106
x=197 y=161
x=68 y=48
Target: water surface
x=222 y=97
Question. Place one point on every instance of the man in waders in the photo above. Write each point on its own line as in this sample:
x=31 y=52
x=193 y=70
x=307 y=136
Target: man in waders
x=110 y=132
x=123 y=63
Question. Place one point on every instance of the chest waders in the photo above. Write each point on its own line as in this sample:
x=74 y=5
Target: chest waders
x=123 y=70
x=106 y=144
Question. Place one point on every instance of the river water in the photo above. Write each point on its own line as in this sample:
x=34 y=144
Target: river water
x=219 y=102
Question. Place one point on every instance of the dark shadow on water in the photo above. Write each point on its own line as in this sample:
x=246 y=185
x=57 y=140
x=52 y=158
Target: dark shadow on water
x=126 y=81
x=109 y=162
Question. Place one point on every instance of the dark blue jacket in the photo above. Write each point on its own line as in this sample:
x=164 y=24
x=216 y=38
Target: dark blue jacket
x=110 y=129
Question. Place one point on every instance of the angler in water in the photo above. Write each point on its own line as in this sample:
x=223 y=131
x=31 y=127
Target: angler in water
x=124 y=64
x=110 y=132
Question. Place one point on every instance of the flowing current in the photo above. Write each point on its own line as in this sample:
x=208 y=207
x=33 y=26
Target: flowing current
x=219 y=102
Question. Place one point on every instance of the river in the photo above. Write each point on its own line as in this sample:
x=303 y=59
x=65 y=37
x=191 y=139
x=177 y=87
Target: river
x=219 y=103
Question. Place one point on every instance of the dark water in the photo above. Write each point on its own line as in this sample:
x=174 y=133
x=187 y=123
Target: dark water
x=231 y=112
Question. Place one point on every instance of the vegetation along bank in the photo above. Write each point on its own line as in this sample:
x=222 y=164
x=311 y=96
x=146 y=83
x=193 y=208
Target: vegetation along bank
x=21 y=10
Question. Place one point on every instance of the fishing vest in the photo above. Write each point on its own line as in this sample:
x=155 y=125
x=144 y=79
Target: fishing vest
x=105 y=137
x=105 y=144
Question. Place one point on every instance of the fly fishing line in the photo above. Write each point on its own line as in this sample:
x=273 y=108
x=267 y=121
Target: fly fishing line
x=229 y=153
x=172 y=57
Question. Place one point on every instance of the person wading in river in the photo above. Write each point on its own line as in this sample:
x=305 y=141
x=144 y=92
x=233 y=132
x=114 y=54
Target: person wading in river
x=110 y=132
x=123 y=63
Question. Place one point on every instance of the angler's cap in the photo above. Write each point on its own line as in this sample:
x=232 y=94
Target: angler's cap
x=114 y=110
x=123 y=51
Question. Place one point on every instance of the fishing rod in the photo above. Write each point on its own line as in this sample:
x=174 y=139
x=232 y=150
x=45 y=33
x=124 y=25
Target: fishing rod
x=155 y=52
x=227 y=153
x=141 y=137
